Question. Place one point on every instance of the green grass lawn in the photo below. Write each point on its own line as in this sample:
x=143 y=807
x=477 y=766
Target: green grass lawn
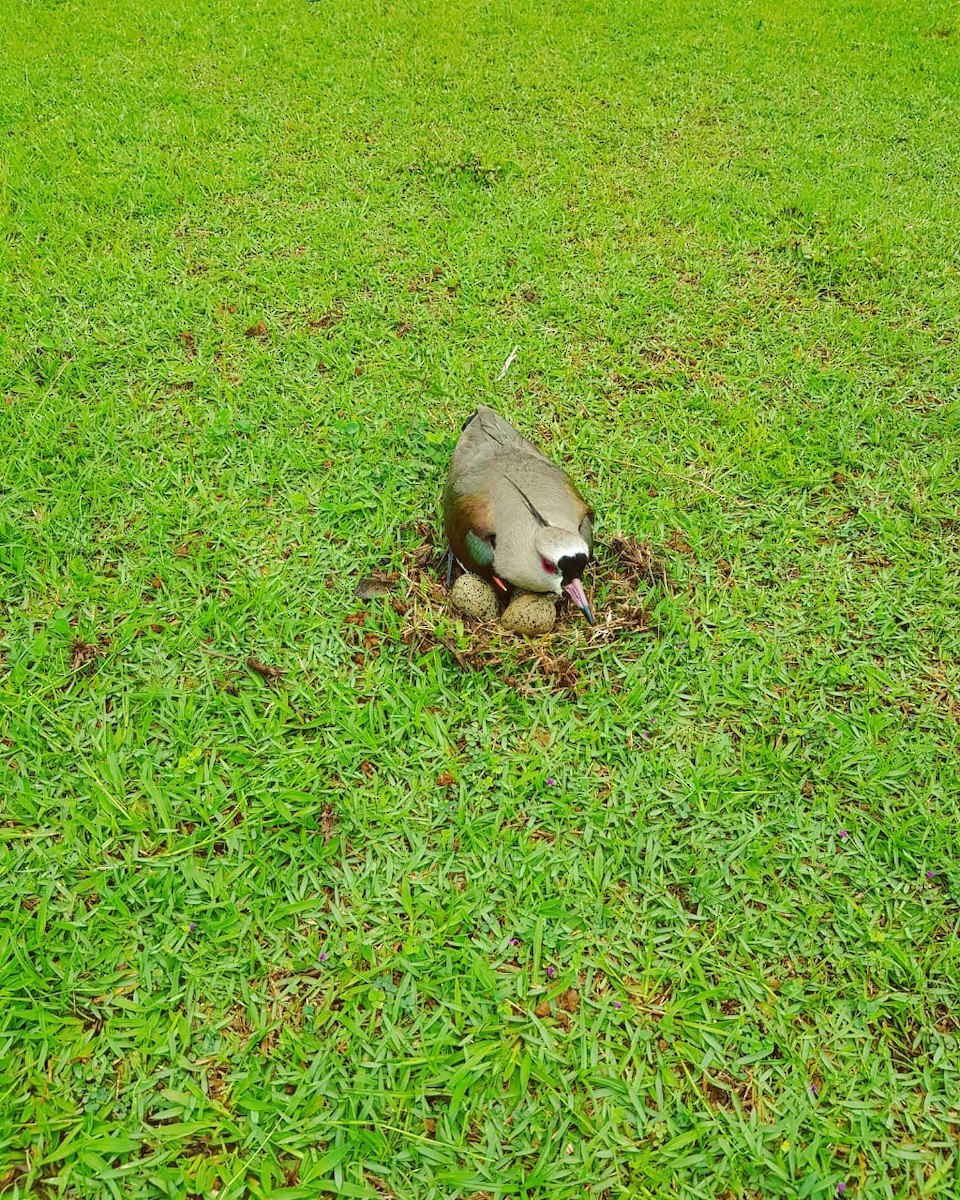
x=675 y=917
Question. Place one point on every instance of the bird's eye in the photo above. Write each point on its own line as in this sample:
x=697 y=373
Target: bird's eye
x=548 y=566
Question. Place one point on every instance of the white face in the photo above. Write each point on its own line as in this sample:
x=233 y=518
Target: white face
x=535 y=568
x=551 y=579
x=533 y=574
x=551 y=546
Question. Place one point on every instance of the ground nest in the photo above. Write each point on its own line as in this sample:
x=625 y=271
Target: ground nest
x=618 y=581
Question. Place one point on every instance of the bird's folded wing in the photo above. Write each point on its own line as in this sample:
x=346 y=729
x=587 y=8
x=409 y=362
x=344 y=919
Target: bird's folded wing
x=470 y=531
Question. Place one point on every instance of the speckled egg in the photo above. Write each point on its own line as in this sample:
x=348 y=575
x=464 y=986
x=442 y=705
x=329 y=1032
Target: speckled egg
x=474 y=597
x=529 y=614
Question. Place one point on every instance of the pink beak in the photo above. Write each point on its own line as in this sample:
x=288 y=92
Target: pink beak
x=574 y=590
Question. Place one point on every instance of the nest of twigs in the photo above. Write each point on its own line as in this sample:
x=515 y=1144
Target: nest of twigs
x=419 y=594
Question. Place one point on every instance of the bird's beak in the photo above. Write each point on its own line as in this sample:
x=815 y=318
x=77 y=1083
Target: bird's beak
x=574 y=590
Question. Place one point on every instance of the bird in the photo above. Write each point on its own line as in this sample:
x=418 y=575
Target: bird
x=512 y=517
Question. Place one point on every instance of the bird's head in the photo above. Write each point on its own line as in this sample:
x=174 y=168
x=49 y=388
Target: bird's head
x=563 y=558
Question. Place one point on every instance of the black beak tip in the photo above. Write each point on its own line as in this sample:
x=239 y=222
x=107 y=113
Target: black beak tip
x=574 y=589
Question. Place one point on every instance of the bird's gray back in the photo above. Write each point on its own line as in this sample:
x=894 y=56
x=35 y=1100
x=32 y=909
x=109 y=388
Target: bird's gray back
x=485 y=437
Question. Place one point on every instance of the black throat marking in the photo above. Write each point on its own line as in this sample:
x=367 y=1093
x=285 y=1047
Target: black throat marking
x=572 y=566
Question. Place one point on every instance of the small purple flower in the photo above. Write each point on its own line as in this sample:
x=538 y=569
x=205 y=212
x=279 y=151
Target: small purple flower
x=323 y=957
x=617 y=1004
x=645 y=735
x=844 y=833
x=551 y=781
x=841 y=1188
x=886 y=689
x=551 y=971
x=514 y=941
x=192 y=926
x=653 y=720
x=813 y=1089
x=931 y=874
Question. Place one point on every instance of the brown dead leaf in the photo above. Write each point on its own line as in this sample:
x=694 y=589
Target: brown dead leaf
x=260 y=330
x=445 y=780
x=570 y=1000
x=11 y=1176
x=422 y=556
x=328 y=822
x=678 y=542
x=327 y=320
x=264 y=670
x=189 y=343
x=216 y=1074
x=415 y=285
x=560 y=671
x=722 y=1090
x=543 y=1009
x=379 y=583
x=380 y=1187
x=83 y=655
